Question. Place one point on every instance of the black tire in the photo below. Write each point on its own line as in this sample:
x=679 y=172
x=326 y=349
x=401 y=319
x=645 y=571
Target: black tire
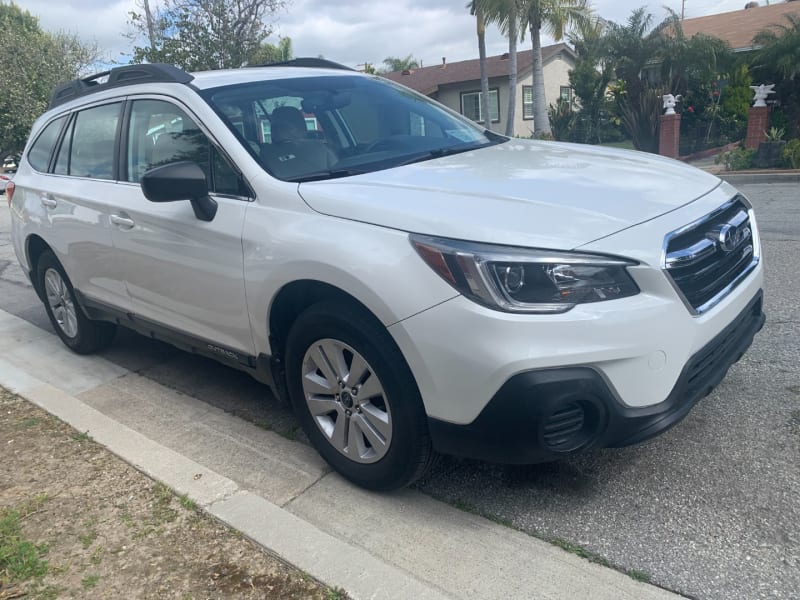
x=89 y=336
x=409 y=452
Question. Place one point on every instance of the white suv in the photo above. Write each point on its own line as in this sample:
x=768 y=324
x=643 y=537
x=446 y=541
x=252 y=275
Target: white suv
x=410 y=281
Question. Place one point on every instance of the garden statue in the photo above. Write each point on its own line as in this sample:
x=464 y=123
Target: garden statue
x=762 y=91
x=669 y=103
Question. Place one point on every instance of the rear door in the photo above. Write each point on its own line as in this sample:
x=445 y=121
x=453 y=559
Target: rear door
x=183 y=274
x=69 y=197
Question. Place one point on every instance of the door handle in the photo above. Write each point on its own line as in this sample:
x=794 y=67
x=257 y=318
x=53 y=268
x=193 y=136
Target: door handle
x=48 y=201
x=122 y=222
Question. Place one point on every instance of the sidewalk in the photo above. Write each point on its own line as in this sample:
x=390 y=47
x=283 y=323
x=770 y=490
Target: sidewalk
x=749 y=176
x=279 y=493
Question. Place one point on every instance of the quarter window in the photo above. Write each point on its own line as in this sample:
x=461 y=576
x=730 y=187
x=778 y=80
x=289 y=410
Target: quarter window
x=93 y=139
x=471 y=106
x=42 y=149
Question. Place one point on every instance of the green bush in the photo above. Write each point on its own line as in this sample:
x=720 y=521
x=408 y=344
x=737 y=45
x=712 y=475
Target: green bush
x=737 y=159
x=791 y=154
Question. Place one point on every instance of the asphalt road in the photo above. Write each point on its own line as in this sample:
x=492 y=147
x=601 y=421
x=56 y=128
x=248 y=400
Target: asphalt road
x=711 y=509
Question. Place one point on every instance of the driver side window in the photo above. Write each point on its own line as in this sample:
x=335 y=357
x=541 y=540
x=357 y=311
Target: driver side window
x=160 y=133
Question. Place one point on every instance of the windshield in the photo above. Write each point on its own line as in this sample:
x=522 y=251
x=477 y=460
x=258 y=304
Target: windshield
x=314 y=128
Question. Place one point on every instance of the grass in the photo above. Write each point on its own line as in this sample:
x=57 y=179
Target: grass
x=20 y=559
x=336 y=594
x=82 y=437
x=90 y=581
x=187 y=502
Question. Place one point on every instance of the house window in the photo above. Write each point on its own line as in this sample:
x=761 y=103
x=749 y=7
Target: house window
x=527 y=102
x=566 y=94
x=471 y=106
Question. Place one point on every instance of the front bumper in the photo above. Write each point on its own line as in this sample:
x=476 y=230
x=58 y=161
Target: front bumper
x=546 y=414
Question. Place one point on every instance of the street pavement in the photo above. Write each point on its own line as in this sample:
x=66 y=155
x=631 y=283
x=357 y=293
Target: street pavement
x=709 y=510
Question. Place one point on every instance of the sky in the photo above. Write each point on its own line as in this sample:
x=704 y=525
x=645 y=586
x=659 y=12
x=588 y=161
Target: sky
x=351 y=32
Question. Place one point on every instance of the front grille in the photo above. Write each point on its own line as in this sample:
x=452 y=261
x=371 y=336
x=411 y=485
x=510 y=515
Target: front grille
x=707 y=259
x=709 y=365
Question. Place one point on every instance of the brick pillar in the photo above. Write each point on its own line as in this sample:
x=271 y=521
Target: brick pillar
x=757 y=125
x=669 y=136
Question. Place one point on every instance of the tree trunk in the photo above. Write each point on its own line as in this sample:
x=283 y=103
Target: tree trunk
x=151 y=26
x=512 y=76
x=481 y=24
x=541 y=121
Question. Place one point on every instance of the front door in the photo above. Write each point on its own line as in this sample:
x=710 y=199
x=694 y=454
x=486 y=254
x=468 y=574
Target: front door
x=181 y=273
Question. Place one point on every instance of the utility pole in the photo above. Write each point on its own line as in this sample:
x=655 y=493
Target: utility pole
x=683 y=9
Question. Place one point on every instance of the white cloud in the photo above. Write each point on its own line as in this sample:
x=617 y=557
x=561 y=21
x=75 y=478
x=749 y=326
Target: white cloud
x=348 y=31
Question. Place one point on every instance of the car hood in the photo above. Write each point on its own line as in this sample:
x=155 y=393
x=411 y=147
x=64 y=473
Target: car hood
x=521 y=193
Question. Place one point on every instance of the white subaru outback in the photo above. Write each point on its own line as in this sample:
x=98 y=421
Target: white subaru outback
x=411 y=282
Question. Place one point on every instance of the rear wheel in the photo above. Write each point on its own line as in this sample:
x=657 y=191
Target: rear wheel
x=76 y=330
x=356 y=398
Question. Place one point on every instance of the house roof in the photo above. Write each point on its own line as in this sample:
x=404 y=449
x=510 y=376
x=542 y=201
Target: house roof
x=428 y=79
x=739 y=27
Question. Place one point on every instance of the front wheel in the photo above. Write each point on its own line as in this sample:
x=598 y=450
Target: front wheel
x=76 y=330
x=356 y=398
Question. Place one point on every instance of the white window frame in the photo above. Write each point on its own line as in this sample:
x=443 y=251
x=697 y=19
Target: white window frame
x=494 y=101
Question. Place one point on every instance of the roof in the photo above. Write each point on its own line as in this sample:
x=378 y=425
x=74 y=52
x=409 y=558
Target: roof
x=739 y=27
x=428 y=79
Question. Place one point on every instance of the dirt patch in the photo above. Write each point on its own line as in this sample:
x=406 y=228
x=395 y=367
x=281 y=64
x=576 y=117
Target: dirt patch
x=76 y=521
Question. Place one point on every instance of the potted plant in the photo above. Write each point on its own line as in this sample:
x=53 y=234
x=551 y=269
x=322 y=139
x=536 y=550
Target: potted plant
x=769 y=155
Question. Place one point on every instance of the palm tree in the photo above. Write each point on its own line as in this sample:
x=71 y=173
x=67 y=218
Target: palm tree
x=476 y=8
x=555 y=17
x=591 y=75
x=506 y=14
x=781 y=47
x=400 y=64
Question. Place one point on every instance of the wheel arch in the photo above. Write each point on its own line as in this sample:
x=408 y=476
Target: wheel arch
x=294 y=298
x=35 y=246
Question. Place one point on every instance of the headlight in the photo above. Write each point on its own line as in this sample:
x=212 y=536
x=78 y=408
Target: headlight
x=526 y=280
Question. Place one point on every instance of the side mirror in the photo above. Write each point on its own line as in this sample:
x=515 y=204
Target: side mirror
x=180 y=181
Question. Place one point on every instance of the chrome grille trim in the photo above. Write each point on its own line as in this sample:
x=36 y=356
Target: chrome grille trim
x=731 y=257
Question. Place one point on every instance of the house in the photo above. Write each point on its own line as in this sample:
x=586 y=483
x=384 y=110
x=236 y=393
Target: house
x=738 y=28
x=458 y=85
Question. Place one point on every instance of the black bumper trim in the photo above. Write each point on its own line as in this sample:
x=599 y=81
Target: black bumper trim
x=511 y=428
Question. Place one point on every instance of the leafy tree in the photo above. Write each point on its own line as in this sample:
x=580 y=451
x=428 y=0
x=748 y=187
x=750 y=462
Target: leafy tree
x=202 y=34
x=780 y=47
x=268 y=53
x=392 y=63
x=555 y=17
x=591 y=76
x=37 y=62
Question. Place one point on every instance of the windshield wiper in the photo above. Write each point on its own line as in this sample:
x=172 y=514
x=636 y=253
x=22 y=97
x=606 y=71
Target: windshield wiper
x=323 y=175
x=439 y=153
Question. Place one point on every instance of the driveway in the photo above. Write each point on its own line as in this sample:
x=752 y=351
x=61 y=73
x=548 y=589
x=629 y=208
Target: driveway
x=709 y=509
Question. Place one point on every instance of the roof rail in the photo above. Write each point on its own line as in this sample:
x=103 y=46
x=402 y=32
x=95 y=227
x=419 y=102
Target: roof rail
x=318 y=63
x=118 y=77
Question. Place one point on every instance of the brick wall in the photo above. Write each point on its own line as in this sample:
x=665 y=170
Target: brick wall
x=669 y=136
x=757 y=125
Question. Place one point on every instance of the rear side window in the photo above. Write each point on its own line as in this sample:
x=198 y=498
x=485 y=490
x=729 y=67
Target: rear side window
x=93 y=141
x=42 y=149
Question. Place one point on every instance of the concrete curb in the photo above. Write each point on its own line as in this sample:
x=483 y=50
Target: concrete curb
x=760 y=177
x=383 y=546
